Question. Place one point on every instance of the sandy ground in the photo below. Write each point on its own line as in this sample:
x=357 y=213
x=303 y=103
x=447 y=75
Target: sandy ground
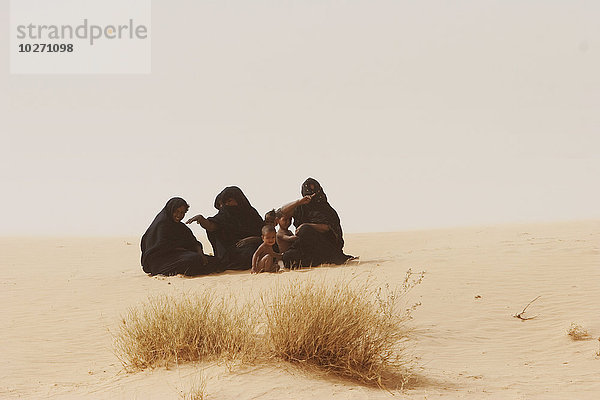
x=61 y=298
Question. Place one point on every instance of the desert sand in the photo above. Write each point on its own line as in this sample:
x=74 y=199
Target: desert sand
x=62 y=298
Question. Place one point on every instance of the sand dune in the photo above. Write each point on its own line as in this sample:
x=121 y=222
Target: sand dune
x=61 y=297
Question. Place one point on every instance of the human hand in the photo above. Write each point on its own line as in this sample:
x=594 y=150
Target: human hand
x=306 y=199
x=241 y=242
x=248 y=240
x=196 y=218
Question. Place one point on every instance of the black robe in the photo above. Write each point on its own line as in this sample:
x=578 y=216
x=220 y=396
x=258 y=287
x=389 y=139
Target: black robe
x=170 y=248
x=233 y=224
x=312 y=247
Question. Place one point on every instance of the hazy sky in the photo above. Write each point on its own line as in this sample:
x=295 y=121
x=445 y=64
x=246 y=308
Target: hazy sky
x=411 y=115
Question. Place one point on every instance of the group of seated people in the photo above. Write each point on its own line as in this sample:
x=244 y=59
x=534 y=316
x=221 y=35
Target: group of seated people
x=241 y=239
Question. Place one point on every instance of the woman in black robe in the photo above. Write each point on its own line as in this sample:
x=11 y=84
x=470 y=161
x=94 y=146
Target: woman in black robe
x=233 y=230
x=320 y=237
x=170 y=248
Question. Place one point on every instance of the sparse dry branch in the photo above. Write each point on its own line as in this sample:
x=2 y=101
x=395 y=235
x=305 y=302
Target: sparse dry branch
x=520 y=315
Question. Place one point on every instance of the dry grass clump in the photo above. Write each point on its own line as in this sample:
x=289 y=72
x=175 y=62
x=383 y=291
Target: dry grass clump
x=175 y=329
x=345 y=327
x=578 y=332
x=197 y=390
x=342 y=326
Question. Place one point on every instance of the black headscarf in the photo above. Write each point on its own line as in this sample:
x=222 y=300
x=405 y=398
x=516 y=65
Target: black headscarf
x=312 y=187
x=165 y=235
x=235 y=222
x=318 y=211
x=232 y=192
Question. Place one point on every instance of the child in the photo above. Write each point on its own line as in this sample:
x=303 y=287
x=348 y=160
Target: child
x=285 y=237
x=265 y=258
x=272 y=217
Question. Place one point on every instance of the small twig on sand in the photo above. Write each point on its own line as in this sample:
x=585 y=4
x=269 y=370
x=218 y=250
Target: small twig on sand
x=520 y=315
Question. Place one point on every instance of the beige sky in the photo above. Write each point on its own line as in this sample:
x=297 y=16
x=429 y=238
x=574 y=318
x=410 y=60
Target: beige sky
x=411 y=115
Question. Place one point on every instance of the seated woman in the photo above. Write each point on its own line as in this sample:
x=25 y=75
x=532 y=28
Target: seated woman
x=170 y=248
x=233 y=230
x=318 y=230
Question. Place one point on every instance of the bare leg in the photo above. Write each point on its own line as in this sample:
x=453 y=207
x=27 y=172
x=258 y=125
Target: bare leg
x=265 y=264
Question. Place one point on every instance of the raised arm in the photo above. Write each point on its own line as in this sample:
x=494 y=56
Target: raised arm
x=289 y=208
x=206 y=224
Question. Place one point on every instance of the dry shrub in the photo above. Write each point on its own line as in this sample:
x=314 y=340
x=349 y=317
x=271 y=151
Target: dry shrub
x=343 y=326
x=578 y=332
x=175 y=329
